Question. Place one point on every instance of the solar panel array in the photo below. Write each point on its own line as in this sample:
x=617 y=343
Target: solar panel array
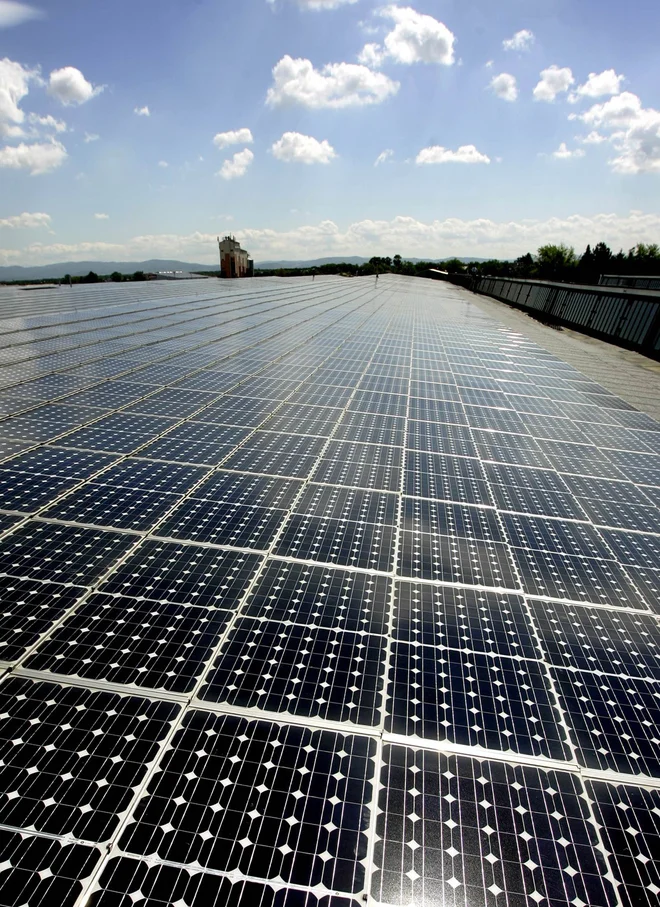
x=318 y=594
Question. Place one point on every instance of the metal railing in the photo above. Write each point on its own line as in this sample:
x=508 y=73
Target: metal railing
x=627 y=317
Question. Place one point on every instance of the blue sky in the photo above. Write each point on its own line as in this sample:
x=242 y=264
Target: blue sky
x=109 y=111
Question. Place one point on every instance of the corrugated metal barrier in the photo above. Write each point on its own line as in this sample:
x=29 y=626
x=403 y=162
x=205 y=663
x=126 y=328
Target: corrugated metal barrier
x=629 y=318
x=633 y=283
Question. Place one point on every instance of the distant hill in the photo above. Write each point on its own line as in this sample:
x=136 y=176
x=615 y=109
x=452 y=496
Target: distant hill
x=348 y=259
x=80 y=268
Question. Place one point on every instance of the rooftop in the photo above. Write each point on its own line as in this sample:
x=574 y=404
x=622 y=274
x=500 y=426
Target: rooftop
x=325 y=593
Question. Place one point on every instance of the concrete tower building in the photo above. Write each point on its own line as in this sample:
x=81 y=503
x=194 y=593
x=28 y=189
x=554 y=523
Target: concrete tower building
x=234 y=261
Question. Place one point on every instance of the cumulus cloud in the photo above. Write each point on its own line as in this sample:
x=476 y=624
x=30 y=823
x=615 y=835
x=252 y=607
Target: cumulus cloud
x=466 y=154
x=102 y=216
x=14 y=86
x=14 y=13
x=335 y=85
x=26 y=221
x=415 y=38
x=40 y=157
x=69 y=86
x=383 y=157
x=553 y=81
x=233 y=137
x=599 y=85
x=620 y=112
x=594 y=138
x=504 y=86
x=303 y=149
x=633 y=131
x=237 y=165
x=47 y=122
x=563 y=153
x=371 y=55
x=91 y=137
x=319 y=4
x=521 y=41
x=412 y=238
x=142 y=111
x=638 y=149
x=163 y=164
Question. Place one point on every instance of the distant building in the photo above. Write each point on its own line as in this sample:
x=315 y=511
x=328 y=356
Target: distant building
x=234 y=261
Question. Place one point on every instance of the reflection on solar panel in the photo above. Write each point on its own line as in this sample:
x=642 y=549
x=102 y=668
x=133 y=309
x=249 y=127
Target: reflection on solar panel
x=317 y=595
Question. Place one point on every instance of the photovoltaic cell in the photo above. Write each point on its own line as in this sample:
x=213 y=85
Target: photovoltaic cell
x=72 y=757
x=272 y=801
x=36 y=870
x=156 y=885
x=629 y=821
x=460 y=831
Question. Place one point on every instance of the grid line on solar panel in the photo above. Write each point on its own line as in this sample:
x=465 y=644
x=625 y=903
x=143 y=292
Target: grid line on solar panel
x=461 y=831
x=304 y=822
x=151 y=881
x=614 y=721
x=40 y=870
x=564 y=577
x=599 y=640
x=133 y=643
x=627 y=818
x=73 y=756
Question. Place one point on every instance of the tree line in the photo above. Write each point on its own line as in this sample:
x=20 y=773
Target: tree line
x=550 y=262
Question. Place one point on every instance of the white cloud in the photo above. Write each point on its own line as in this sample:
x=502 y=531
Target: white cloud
x=620 y=112
x=14 y=86
x=638 y=149
x=319 y=4
x=70 y=86
x=91 y=137
x=163 y=164
x=594 y=138
x=415 y=38
x=521 y=41
x=303 y=149
x=102 y=216
x=13 y=13
x=412 y=238
x=563 y=153
x=142 y=111
x=634 y=132
x=371 y=55
x=599 y=85
x=237 y=165
x=504 y=86
x=383 y=157
x=47 y=122
x=554 y=81
x=26 y=221
x=466 y=154
x=233 y=137
x=40 y=157
x=335 y=85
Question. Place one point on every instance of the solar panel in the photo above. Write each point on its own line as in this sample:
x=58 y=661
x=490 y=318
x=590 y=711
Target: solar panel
x=318 y=594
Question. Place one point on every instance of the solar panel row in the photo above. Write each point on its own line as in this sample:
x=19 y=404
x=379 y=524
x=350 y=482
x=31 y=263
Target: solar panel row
x=320 y=594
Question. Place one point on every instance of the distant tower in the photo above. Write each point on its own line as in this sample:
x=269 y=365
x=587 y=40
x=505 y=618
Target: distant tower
x=234 y=261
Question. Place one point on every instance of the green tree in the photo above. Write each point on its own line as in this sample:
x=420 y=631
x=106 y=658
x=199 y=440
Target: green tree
x=139 y=275
x=116 y=277
x=523 y=267
x=453 y=266
x=556 y=262
x=92 y=277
